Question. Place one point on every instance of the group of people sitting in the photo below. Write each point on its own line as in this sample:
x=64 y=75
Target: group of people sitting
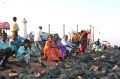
x=25 y=51
x=55 y=48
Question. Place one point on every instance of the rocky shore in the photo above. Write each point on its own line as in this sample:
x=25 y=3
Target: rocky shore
x=91 y=65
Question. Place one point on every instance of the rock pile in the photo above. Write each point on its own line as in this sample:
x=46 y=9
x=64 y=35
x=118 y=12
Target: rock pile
x=92 y=65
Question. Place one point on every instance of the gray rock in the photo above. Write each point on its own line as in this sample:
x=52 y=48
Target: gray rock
x=107 y=77
x=30 y=77
x=21 y=75
x=63 y=76
x=31 y=70
x=23 y=70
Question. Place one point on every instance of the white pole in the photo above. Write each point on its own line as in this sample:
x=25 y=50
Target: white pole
x=24 y=28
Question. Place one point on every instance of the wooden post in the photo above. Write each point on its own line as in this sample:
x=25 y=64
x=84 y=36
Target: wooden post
x=49 y=28
x=63 y=29
x=77 y=28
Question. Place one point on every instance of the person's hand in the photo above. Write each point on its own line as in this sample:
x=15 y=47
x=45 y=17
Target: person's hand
x=8 y=49
x=24 y=53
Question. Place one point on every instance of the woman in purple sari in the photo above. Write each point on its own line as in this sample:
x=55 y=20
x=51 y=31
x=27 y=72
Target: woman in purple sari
x=61 y=46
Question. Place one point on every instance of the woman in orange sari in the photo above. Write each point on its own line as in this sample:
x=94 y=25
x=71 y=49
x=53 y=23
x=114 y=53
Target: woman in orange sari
x=51 y=51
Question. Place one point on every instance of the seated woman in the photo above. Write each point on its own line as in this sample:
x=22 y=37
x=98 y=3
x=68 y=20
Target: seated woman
x=60 y=45
x=35 y=53
x=51 y=51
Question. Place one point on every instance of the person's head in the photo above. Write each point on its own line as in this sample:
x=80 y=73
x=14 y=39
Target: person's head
x=26 y=43
x=56 y=36
x=14 y=36
x=82 y=31
x=15 y=19
x=40 y=27
x=65 y=37
x=50 y=37
x=88 y=31
x=4 y=35
x=30 y=38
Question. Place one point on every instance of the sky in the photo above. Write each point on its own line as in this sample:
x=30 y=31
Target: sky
x=103 y=15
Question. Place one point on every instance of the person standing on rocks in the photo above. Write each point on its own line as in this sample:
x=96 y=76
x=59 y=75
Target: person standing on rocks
x=14 y=28
x=60 y=45
x=83 y=39
x=97 y=44
x=88 y=40
x=38 y=38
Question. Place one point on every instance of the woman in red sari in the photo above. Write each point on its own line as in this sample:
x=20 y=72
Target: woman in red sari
x=51 y=51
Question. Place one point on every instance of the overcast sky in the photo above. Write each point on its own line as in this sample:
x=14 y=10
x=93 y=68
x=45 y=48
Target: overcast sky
x=104 y=15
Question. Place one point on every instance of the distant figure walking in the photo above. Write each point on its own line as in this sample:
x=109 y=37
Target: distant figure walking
x=14 y=28
x=38 y=37
x=97 y=44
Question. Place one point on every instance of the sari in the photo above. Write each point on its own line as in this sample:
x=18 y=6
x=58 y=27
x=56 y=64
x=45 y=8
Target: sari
x=52 y=54
x=62 y=50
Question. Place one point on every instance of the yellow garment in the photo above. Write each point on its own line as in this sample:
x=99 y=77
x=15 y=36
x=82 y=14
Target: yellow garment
x=14 y=27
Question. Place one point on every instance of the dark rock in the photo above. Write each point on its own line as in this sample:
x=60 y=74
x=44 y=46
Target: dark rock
x=78 y=72
x=57 y=72
x=1 y=76
x=92 y=75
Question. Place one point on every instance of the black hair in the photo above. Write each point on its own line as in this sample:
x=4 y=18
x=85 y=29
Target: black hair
x=26 y=41
x=3 y=32
x=49 y=35
x=40 y=27
x=15 y=19
x=82 y=31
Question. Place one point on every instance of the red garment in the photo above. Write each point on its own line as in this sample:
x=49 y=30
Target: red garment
x=84 y=42
x=52 y=54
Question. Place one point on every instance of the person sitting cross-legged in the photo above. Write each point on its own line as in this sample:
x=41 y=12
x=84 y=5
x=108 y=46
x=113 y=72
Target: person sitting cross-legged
x=23 y=54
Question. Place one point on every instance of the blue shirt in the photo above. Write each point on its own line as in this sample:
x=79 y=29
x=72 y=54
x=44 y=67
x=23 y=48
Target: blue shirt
x=20 y=52
x=4 y=45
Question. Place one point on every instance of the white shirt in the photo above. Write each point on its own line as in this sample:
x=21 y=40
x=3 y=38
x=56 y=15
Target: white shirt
x=37 y=35
x=65 y=42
